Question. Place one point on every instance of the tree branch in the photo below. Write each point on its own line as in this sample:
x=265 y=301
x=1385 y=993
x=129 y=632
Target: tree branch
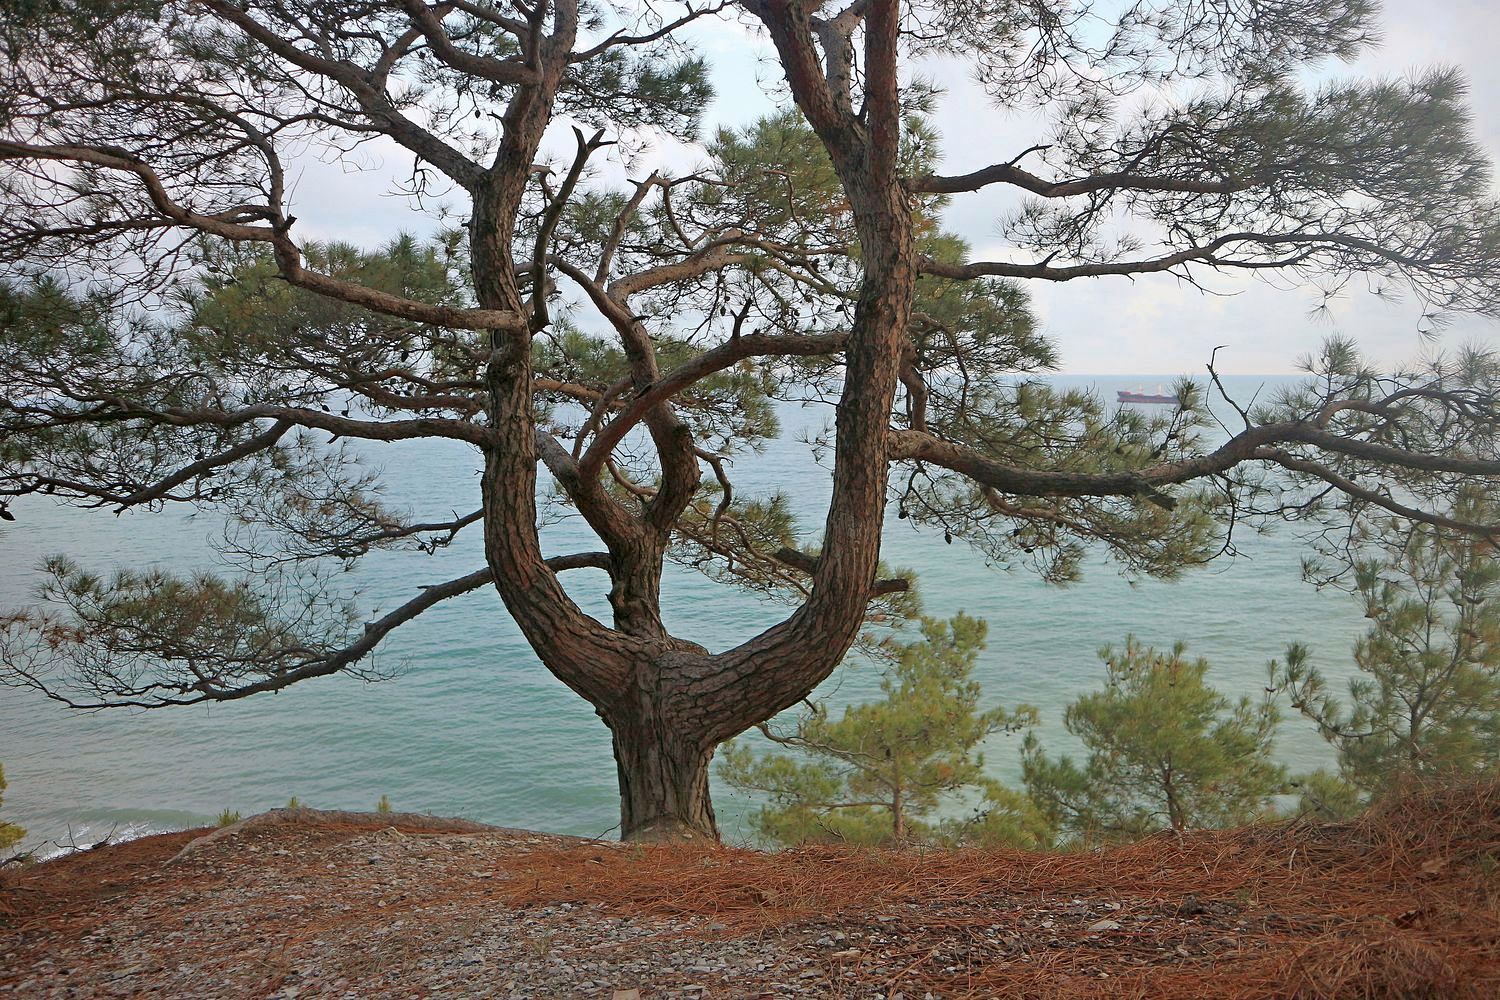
x=230 y=226
x=360 y=85
x=620 y=38
x=809 y=565
x=1209 y=253
x=257 y=443
x=511 y=71
x=706 y=364
x=1009 y=173
x=112 y=409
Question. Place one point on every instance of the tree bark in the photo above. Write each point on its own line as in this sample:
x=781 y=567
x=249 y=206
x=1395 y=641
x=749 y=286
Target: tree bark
x=662 y=764
x=686 y=702
x=668 y=703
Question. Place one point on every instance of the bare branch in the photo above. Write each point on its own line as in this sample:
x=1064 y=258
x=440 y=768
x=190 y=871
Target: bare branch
x=1009 y=173
x=809 y=565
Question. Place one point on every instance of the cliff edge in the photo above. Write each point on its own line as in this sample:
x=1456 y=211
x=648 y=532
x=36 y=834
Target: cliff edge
x=303 y=903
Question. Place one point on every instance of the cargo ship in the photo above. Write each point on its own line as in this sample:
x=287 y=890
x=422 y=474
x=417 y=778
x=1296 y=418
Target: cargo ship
x=1126 y=396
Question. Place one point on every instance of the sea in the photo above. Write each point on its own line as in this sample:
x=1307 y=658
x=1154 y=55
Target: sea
x=470 y=724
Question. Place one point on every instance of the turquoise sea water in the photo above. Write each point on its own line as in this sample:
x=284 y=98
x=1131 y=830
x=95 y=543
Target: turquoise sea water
x=473 y=726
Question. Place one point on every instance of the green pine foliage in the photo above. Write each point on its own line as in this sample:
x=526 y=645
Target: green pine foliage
x=228 y=817
x=1163 y=749
x=891 y=771
x=652 y=330
x=1426 y=702
x=10 y=833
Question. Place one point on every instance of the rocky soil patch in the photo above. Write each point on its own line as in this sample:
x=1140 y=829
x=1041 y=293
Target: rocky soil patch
x=300 y=903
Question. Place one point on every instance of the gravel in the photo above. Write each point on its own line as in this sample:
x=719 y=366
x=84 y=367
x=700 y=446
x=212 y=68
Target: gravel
x=278 y=911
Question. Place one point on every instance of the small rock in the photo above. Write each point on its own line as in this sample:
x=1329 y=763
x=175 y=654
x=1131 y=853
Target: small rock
x=1191 y=906
x=1104 y=925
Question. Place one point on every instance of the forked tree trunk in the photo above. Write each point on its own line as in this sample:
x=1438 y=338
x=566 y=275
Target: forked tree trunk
x=669 y=703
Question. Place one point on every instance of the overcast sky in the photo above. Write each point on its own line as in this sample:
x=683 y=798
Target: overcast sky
x=1102 y=326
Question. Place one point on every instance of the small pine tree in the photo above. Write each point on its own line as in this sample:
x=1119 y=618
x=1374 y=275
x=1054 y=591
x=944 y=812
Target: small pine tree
x=10 y=833
x=384 y=805
x=1164 y=750
x=882 y=772
x=294 y=803
x=228 y=817
x=1426 y=703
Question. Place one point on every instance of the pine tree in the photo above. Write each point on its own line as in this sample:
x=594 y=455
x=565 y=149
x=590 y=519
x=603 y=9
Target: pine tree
x=10 y=833
x=1163 y=750
x=886 y=771
x=1426 y=702
x=628 y=342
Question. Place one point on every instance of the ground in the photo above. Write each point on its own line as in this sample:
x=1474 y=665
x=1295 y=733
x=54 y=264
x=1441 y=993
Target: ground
x=1402 y=903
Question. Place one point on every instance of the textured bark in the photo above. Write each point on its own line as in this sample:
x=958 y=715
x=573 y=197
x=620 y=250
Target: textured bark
x=669 y=703
x=635 y=593
x=686 y=702
x=585 y=655
x=778 y=668
x=663 y=772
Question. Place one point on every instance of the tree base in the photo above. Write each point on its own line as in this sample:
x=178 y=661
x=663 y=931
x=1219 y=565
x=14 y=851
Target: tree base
x=669 y=830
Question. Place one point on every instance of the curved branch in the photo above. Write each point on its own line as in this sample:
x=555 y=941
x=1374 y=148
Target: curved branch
x=361 y=86
x=1254 y=444
x=113 y=409
x=239 y=451
x=330 y=662
x=620 y=38
x=1009 y=173
x=605 y=515
x=232 y=225
x=712 y=257
x=704 y=365
x=579 y=560
x=671 y=436
x=1208 y=253
x=1380 y=499
x=484 y=67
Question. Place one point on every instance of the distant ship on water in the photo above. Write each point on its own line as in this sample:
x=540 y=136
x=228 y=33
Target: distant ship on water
x=1126 y=396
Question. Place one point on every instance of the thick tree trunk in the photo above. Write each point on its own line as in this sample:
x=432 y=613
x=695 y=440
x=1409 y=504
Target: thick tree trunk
x=667 y=702
x=663 y=775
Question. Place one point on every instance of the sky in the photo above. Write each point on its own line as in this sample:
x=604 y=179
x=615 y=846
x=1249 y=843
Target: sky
x=1107 y=326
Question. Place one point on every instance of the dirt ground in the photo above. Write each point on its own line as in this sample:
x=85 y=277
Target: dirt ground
x=300 y=903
